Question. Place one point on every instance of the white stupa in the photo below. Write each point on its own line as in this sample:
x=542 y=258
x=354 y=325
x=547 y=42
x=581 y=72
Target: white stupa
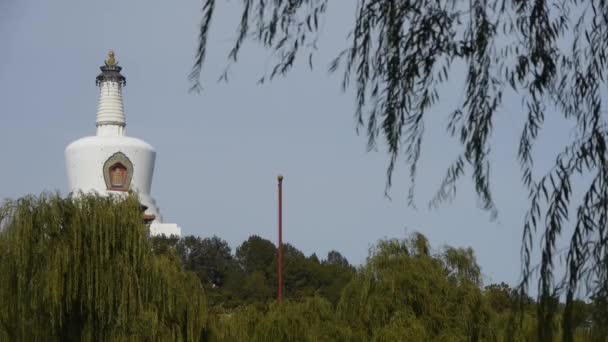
x=110 y=161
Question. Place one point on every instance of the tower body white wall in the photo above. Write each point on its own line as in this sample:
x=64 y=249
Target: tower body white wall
x=85 y=159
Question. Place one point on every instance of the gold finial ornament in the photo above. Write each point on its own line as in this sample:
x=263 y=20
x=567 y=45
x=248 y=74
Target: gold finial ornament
x=111 y=61
x=280 y=178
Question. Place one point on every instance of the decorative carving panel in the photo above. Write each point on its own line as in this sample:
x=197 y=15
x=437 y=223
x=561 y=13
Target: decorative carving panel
x=118 y=172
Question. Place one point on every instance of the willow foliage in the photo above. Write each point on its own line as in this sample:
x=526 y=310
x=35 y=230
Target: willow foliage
x=312 y=319
x=400 y=56
x=84 y=270
x=405 y=291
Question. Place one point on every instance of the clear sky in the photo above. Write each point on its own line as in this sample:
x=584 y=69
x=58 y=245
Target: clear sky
x=218 y=153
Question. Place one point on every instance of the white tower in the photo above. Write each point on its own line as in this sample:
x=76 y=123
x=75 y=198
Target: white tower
x=111 y=162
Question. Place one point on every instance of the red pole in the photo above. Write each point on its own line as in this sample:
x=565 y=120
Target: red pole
x=280 y=178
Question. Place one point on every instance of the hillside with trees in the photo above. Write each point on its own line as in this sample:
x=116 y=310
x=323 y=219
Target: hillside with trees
x=85 y=269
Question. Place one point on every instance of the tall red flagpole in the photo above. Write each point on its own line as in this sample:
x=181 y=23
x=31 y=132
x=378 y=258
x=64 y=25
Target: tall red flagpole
x=280 y=179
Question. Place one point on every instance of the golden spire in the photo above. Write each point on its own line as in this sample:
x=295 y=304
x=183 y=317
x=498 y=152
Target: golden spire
x=111 y=61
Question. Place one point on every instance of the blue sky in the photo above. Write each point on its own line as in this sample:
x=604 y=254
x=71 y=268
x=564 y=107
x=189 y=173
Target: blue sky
x=219 y=152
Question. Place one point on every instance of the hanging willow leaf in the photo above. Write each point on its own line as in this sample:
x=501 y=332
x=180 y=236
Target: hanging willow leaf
x=552 y=54
x=84 y=270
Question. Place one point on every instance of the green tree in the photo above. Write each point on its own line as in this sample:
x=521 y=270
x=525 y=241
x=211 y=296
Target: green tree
x=237 y=325
x=599 y=316
x=85 y=270
x=499 y=297
x=307 y=277
x=335 y=258
x=334 y=273
x=581 y=314
x=257 y=288
x=256 y=254
x=461 y=265
x=405 y=291
x=312 y=319
x=210 y=258
x=299 y=279
x=400 y=56
x=302 y=277
x=212 y=261
x=250 y=276
x=256 y=281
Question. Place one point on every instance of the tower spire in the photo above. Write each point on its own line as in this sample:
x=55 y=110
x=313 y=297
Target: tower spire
x=110 y=111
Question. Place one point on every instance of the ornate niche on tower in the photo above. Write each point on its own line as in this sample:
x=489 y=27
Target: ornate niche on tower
x=118 y=172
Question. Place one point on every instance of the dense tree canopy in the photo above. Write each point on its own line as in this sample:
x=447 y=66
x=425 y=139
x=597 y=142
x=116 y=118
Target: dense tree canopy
x=406 y=291
x=209 y=257
x=402 y=53
x=84 y=270
x=250 y=275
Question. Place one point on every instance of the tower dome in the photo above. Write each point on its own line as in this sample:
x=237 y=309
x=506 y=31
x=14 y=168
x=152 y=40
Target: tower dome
x=111 y=162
